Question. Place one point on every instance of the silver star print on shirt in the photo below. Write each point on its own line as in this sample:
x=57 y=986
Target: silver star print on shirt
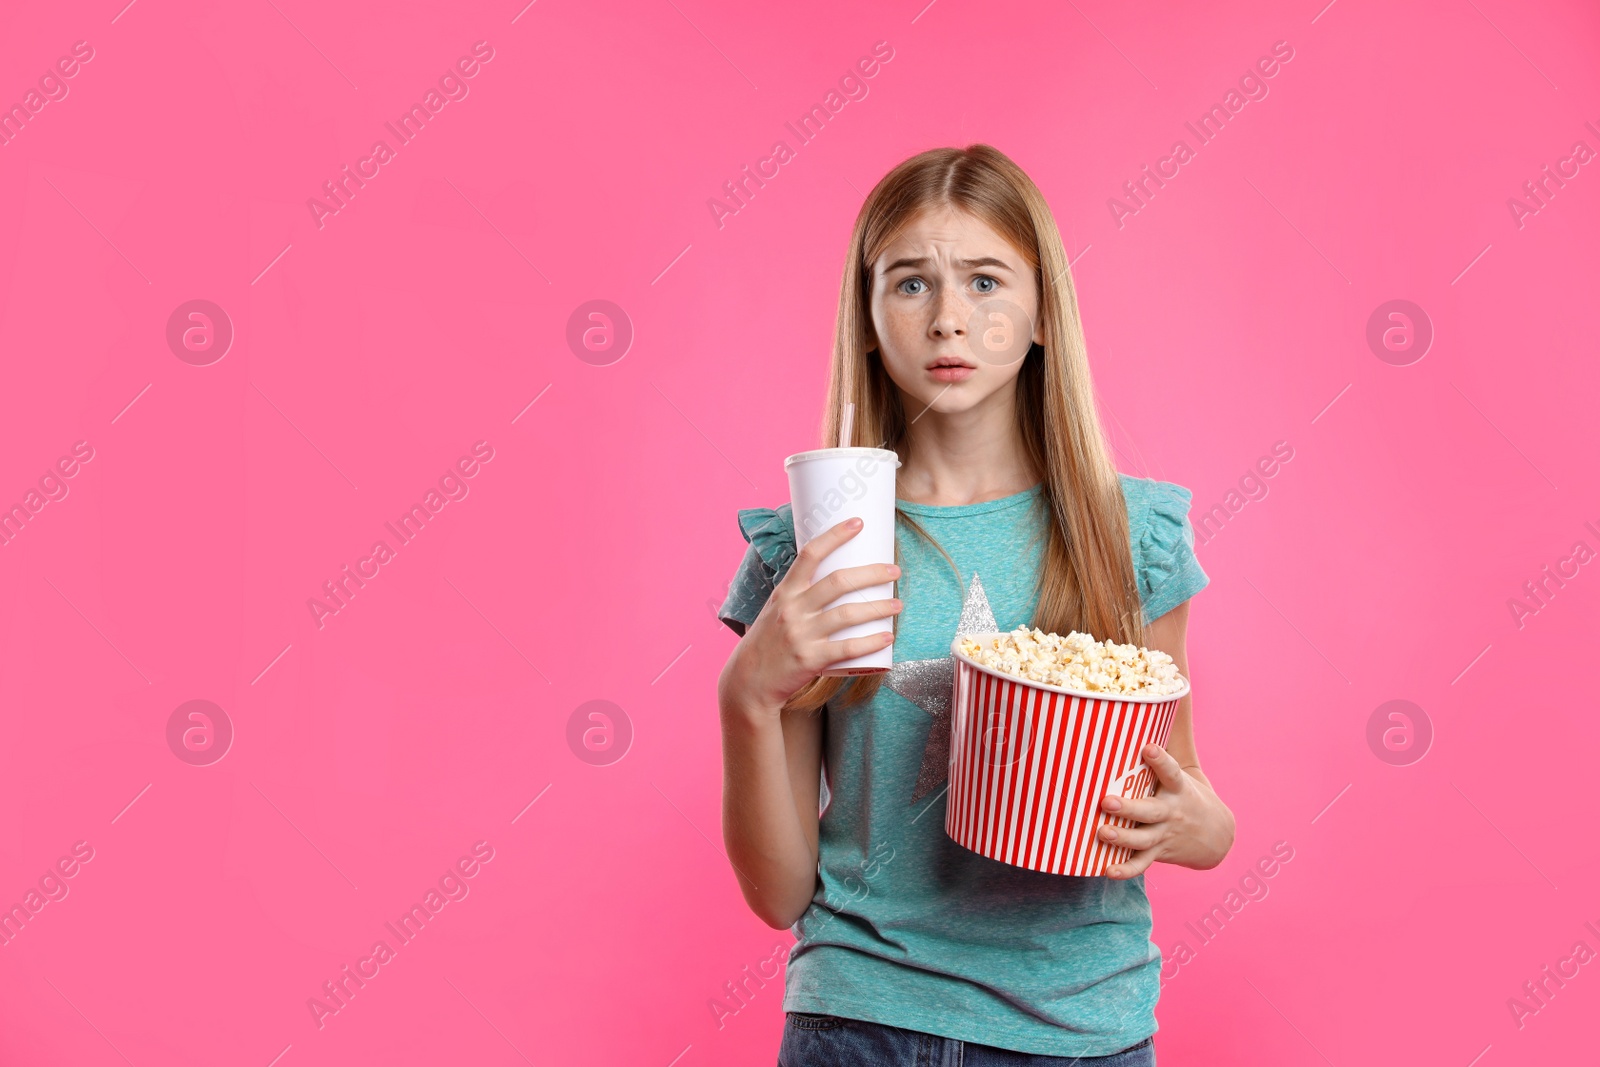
x=927 y=684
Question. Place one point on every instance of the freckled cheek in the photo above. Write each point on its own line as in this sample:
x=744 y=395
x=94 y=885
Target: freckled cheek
x=902 y=334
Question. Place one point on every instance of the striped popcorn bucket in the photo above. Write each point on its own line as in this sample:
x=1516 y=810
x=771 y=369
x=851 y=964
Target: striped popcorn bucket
x=1029 y=764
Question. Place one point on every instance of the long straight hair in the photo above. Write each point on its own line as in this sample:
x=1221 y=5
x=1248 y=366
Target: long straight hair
x=1087 y=581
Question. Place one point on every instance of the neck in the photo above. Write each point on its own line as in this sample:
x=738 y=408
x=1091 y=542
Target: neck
x=965 y=457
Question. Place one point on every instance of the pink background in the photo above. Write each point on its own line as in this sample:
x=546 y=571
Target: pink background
x=585 y=562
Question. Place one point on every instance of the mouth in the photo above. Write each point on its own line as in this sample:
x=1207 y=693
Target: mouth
x=951 y=361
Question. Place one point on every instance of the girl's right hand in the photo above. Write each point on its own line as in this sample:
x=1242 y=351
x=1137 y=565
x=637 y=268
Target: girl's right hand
x=788 y=644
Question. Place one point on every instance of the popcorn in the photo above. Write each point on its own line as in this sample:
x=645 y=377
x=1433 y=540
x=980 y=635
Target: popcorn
x=1077 y=661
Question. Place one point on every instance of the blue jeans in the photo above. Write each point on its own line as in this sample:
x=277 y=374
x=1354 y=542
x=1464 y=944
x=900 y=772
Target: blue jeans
x=830 y=1041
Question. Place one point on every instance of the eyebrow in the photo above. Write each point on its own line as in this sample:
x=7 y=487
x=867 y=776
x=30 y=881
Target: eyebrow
x=982 y=261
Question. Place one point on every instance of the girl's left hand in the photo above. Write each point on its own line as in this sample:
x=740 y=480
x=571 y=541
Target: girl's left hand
x=1184 y=823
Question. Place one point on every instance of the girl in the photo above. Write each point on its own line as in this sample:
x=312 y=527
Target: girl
x=959 y=343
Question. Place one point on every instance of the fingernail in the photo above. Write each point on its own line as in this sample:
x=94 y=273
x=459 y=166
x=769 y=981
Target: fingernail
x=1111 y=835
x=1113 y=804
x=855 y=522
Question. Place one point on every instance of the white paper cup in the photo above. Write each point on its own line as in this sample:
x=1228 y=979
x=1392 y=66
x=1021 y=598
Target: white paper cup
x=826 y=487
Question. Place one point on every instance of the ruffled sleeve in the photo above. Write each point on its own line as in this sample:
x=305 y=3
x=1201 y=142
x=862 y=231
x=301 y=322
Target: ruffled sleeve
x=1163 y=544
x=767 y=558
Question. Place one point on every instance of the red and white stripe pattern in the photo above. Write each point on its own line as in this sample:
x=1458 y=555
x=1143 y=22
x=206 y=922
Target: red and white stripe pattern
x=1029 y=766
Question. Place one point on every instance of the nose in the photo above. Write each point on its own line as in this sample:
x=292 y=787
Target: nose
x=949 y=314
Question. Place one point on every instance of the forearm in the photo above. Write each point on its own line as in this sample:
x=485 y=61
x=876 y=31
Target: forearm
x=772 y=856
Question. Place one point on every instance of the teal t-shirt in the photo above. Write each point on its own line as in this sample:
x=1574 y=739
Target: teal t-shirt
x=907 y=928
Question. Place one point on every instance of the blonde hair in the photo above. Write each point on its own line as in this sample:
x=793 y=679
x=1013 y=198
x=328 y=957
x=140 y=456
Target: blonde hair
x=1087 y=582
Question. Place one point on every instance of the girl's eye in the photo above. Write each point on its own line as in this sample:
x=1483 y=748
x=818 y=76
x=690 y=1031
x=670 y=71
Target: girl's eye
x=981 y=279
x=912 y=281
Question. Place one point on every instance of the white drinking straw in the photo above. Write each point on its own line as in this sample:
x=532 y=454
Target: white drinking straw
x=844 y=426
